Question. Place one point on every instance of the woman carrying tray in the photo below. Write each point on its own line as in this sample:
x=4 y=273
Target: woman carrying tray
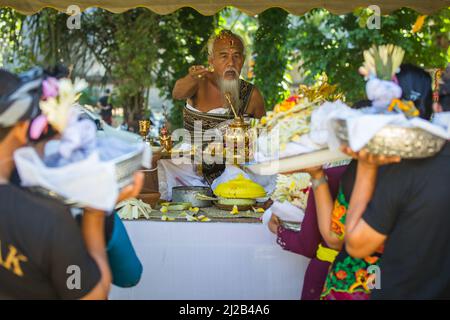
x=308 y=241
x=348 y=277
x=351 y=278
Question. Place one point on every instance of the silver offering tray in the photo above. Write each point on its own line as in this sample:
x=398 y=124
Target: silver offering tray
x=391 y=140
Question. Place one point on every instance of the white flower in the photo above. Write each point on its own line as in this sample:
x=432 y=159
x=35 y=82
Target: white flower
x=66 y=90
x=57 y=114
x=58 y=109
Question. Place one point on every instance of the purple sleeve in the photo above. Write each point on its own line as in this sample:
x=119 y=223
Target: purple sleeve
x=306 y=241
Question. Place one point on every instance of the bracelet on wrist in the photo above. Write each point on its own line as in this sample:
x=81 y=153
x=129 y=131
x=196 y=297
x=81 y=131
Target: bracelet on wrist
x=315 y=183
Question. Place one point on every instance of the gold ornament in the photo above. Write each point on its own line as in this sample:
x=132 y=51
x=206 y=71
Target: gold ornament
x=144 y=129
x=165 y=140
x=321 y=90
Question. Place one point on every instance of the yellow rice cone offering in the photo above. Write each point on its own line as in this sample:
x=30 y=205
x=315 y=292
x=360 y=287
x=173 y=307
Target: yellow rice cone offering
x=239 y=191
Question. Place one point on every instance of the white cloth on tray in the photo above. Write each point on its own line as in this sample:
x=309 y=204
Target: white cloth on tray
x=286 y=211
x=442 y=119
x=80 y=166
x=96 y=187
x=266 y=152
x=363 y=124
x=172 y=173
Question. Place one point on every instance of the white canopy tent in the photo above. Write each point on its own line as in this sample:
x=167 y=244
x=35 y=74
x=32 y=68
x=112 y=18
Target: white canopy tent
x=210 y=7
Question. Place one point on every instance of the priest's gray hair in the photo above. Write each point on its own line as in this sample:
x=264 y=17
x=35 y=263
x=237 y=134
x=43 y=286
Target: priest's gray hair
x=222 y=33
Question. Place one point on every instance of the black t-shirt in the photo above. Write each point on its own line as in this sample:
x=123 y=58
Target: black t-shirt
x=39 y=241
x=411 y=205
x=109 y=219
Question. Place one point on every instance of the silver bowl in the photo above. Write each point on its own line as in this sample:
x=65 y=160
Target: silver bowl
x=407 y=143
x=188 y=194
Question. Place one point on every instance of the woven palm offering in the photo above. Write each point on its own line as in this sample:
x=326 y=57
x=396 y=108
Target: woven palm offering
x=404 y=140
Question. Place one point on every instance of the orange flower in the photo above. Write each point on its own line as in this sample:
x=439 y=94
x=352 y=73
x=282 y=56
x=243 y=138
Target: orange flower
x=361 y=275
x=341 y=274
x=338 y=211
x=419 y=23
x=371 y=260
x=285 y=105
x=337 y=227
x=360 y=281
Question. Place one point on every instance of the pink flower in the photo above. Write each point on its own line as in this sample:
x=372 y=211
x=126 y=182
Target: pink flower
x=38 y=127
x=50 y=88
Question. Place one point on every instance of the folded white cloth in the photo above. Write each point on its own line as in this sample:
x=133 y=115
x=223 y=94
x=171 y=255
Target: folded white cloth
x=319 y=123
x=440 y=126
x=269 y=149
x=286 y=212
x=442 y=119
x=89 y=182
x=81 y=166
x=363 y=124
x=172 y=173
x=265 y=218
x=219 y=110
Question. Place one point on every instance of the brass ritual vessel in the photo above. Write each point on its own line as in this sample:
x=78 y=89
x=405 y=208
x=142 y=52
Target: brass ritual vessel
x=144 y=129
x=239 y=135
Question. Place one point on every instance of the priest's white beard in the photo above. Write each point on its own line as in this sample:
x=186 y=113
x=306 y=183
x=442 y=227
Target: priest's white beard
x=231 y=86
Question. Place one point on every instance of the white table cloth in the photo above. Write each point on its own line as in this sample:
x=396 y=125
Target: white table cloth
x=188 y=260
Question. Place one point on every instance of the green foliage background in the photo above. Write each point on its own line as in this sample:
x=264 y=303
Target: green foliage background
x=272 y=55
x=333 y=44
x=182 y=43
